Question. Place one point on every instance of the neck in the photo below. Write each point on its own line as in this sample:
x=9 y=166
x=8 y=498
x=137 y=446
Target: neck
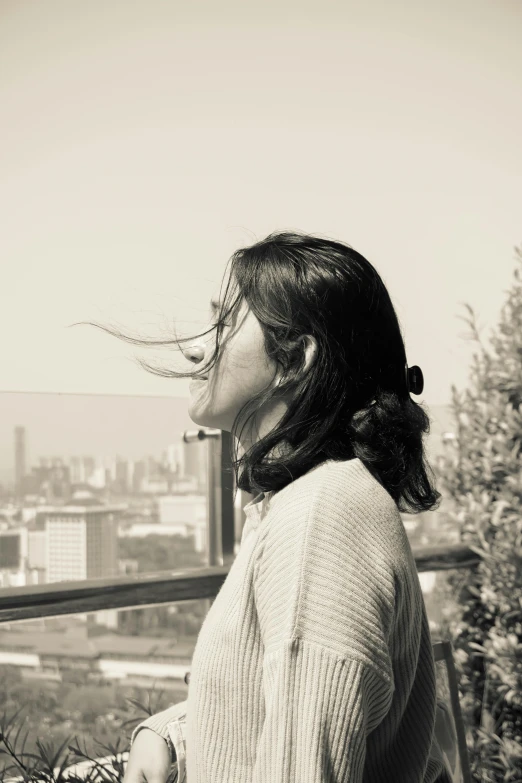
x=261 y=425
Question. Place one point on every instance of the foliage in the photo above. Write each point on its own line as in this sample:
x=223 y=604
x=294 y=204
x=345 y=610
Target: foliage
x=158 y=552
x=57 y=761
x=162 y=553
x=53 y=710
x=481 y=472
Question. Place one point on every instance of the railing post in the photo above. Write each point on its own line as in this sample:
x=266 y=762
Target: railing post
x=213 y=497
x=212 y=476
x=220 y=496
x=227 y=501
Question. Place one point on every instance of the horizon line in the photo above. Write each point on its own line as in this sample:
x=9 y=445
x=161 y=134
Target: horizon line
x=129 y=394
x=91 y=394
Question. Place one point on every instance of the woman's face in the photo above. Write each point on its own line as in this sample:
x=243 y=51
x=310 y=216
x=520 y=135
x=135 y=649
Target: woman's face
x=242 y=369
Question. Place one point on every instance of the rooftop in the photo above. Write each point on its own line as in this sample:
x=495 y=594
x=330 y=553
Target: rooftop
x=63 y=644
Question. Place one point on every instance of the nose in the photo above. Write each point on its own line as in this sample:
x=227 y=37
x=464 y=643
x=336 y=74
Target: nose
x=194 y=353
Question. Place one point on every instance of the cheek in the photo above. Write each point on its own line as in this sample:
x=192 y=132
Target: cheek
x=234 y=386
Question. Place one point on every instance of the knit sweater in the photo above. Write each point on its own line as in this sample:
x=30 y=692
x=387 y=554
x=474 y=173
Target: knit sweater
x=314 y=663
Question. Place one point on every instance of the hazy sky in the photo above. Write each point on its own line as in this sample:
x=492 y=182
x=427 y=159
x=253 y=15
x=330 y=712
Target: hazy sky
x=143 y=142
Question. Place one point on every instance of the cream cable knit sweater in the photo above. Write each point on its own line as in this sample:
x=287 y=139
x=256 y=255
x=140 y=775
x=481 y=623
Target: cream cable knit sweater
x=314 y=663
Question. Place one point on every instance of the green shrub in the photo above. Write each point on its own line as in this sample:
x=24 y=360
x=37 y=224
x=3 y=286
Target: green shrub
x=481 y=472
x=67 y=760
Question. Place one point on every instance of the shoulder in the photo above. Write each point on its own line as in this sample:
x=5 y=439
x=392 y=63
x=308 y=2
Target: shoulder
x=340 y=497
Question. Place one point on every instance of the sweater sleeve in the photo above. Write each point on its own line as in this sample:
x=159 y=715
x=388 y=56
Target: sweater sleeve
x=319 y=710
x=171 y=725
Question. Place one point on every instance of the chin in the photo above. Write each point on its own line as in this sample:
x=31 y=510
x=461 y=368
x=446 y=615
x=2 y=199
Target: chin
x=198 y=417
x=203 y=418
x=223 y=423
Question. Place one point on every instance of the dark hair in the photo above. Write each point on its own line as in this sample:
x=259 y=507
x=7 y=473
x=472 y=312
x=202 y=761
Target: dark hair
x=354 y=400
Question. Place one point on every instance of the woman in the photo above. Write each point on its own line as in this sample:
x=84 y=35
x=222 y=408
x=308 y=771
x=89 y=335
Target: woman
x=314 y=662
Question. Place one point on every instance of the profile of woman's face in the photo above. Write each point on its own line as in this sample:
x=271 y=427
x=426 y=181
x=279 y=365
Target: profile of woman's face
x=242 y=370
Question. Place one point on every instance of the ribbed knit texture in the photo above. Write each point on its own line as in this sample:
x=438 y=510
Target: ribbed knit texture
x=314 y=663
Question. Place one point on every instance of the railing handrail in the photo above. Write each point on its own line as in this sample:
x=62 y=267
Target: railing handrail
x=91 y=595
x=141 y=590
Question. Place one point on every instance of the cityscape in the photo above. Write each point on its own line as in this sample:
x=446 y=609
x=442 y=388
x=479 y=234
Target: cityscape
x=63 y=516
x=84 y=517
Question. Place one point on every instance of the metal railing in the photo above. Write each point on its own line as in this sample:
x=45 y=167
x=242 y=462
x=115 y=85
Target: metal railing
x=141 y=590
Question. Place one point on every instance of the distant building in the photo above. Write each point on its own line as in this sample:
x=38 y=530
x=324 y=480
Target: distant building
x=50 y=479
x=183 y=486
x=98 y=477
x=20 y=459
x=186 y=509
x=81 y=543
x=13 y=557
x=139 y=473
x=77 y=470
x=175 y=458
x=89 y=465
x=81 y=469
x=37 y=549
x=154 y=485
x=131 y=659
x=144 y=529
x=12 y=548
x=82 y=539
x=122 y=476
x=140 y=661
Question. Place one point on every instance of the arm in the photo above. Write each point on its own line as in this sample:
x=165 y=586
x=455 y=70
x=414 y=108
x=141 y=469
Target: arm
x=170 y=725
x=320 y=708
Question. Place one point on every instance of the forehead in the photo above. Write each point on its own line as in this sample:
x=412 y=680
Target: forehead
x=216 y=304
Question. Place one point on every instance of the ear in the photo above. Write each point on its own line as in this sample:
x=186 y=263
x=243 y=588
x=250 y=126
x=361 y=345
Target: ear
x=310 y=351
x=310 y=354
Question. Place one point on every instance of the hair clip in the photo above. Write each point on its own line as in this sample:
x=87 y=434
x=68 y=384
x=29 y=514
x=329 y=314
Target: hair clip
x=414 y=379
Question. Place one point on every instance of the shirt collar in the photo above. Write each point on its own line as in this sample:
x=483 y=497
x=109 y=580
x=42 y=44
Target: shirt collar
x=256 y=509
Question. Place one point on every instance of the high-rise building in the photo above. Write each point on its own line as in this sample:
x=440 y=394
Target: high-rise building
x=82 y=539
x=50 y=478
x=122 y=476
x=139 y=473
x=89 y=466
x=98 y=477
x=20 y=458
x=175 y=458
x=59 y=479
x=77 y=470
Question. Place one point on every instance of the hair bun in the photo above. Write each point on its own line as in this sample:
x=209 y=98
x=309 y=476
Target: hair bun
x=415 y=379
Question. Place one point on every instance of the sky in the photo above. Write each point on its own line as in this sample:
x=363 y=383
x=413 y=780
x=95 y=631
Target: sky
x=143 y=142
